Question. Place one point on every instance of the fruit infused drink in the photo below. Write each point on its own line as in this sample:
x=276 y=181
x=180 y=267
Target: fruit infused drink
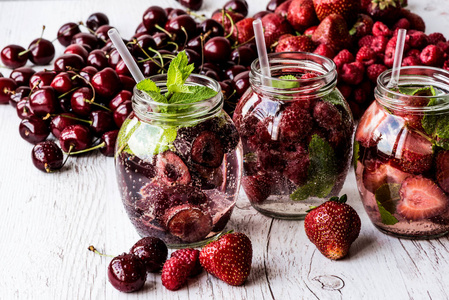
x=402 y=154
x=179 y=164
x=296 y=130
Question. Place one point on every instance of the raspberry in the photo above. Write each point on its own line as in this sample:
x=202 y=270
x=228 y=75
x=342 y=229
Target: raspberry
x=389 y=57
x=444 y=47
x=365 y=41
x=379 y=43
x=327 y=116
x=380 y=29
x=352 y=73
x=366 y=56
x=431 y=56
x=362 y=92
x=418 y=40
x=309 y=75
x=190 y=257
x=392 y=43
x=374 y=71
x=446 y=65
x=174 y=274
x=324 y=50
x=296 y=122
x=413 y=52
x=343 y=57
x=297 y=165
x=257 y=187
x=345 y=90
x=436 y=37
x=401 y=23
x=411 y=61
x=416 y=22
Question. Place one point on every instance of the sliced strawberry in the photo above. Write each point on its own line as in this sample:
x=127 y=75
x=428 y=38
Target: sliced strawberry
x=257 y=187
x=372 y=118
x=377 y=173
x=421 y=198
x=414 y=153
x=442 y=174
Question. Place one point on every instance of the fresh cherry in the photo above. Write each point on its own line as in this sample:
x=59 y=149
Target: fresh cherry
x=60 y=122
x=97 y=59
x=41 y=52
x=14 y=56
x=241 y=83
x=43 y=101
x=243 y=55
x=192 y=4
x=47 y=156
x=233 y=71
x=141 y=28
x=127 y=82
x=7 y=88
x=20 y=93
x=66 y=33
x=102 y=32
x=69 y=62
x=152 y=251
x=160 y=39
x=42 y=78
x=273 y=4
x=175 y=12
x=108 y=140
x=154 y=16
x=211 y=27
x=141 y=46
x=121 y=97
x=127 y=273
x=34 y=130
x=238 y=6
x=122 y=112
x=77 y=49
x=217 y=49
x=86 y=38
x=23 y=109
x=180 y=26
x=106 y=83
x=88 y=73
x=75 y=138
x=114 y=58
x=196 y=43
x=80 y=101
x=101 y=121
x=22 y=75
x=260 y=14
x=193 y=57
x=62 y=83
x=149 y=68
x=96 y=20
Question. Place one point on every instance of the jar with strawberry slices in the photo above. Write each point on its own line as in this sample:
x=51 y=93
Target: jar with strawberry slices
x=401 y=154
x=179 y=165
x=296 y=130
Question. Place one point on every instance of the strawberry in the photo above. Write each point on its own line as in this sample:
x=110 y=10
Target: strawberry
x=174 y=274
x=301 y=15
x=309 y=31
x=414 y=153
x=387 y=11
x=333 y=227
x=257 y=187
x=243 y=30
x=377 y=173
x=348 y=9
x=421 y=198
x=224 y=17
x=228 y=258
x=362 y=27
x=416 y=22
x=373 y=117
x=324 y=50
x=333 y=32
x=442 y=174
x=274 y=26
x=190 y=257
x=282 y=9
x=296 y=43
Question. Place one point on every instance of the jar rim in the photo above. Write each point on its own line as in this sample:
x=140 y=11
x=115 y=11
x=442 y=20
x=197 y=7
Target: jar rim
x=409 y=75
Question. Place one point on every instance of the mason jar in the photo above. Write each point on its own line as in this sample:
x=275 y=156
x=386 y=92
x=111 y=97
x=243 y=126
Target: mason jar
x=179 y=166
x=402 y=154
x=296 y=130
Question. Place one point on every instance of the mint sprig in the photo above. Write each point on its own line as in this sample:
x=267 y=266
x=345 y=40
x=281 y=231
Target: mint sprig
x=387 y=197
x=286 y=82
x=177 y=91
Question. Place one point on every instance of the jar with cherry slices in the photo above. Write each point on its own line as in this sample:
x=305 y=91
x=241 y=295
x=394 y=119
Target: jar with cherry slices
x=296 y=129
x=401 y=154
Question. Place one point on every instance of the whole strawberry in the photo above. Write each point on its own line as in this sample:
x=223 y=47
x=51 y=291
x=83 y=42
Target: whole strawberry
x=348 y=9
x=333 y=32
x=333 y=227
x=228 y=258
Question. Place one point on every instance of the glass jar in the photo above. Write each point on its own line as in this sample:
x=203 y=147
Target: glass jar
x=296 y=135
x=179 y=166
x=401 y=154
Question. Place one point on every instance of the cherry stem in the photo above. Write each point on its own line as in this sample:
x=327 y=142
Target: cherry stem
x=143 y=50
x=35 y=45
x=164 y=31
x=198 y=16
x=68 y=92
x=73 y=118
x=91 y=86
x=232 y=24
x=159 y=55
x=92 y=32
x=89 y=149
x=47 y=167
x=97 y=104
x=244 y=43
x=187 y=35
x=94 y=250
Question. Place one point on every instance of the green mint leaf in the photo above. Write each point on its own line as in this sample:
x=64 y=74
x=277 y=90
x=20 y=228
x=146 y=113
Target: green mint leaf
x=147 y=85
x=178 y=71
x=177 y=88
x=429 y=120
x=127 y=129
x=287 y=82
x=335 y=98
x=157 y=96
x=436 y=126
x=386 y=216
x=322 y=171
x=194 y=93
x=413 y=91
x=148 y=140
x=388 y=196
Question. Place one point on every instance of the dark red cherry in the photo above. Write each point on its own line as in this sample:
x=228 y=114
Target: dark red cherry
x=193 y=57
x=213 y=67
x=143 y=43
x=69 y=62
x=88 y=72
x=217 y=49
x=34 y=129
x=75 y=138
x=106 y=83
x=154 y=15
x=233 y=71
x=127 y=273
x=241 y=83
x=212 y=27
x=210 y=73
x=22 y=75
x=243 y=55
x=62 y=83
x=60 y=122
x=113 y=58
x=152 y=251
x=160 y=39
x=20 y=93
x=122 y=112
x=273 y=4
x=42 y=78
x=175 y=12
x=23 y=109
x=97 y=59
x=86 y=38
x=96 y=20
x=108 y=47
x=7 y=88
x=108 y=139
x=141 y=28
x=80 y=101
x=122 y=69
x=121 y=97
x=64 y=104
x=101 y=122
x=47 y=156
x=66 y=33
x=102 y=32
x=181 y=25
x=238 y=6
x=192 y=4
x=41 y=52
x=260 y=14
x=43 y=101
x=128 y=83
x=149 y=68
x=196 y=44
x=77 y=49
x=14 y=56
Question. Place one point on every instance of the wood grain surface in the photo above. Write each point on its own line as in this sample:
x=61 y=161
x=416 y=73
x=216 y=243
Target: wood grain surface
x=47 y=221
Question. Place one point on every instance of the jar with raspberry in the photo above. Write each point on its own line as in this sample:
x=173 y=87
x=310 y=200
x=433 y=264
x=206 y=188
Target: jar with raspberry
x=296 y=130
x=179 y=165
x=402 y=154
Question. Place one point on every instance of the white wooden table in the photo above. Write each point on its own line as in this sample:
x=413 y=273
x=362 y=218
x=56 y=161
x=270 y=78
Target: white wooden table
x=47 y=221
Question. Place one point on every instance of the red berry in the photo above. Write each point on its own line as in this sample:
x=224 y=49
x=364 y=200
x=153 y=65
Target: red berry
x=432 y=56
x=379 y=44
x=436 y=37
x=343 y=57
x=191 y=259
x=352 y=73
x=174 y=274
x=324 y=50
x=366 y=56
x=365 y=41
x=374 y=71
x=257 y=187
x=380 y=29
